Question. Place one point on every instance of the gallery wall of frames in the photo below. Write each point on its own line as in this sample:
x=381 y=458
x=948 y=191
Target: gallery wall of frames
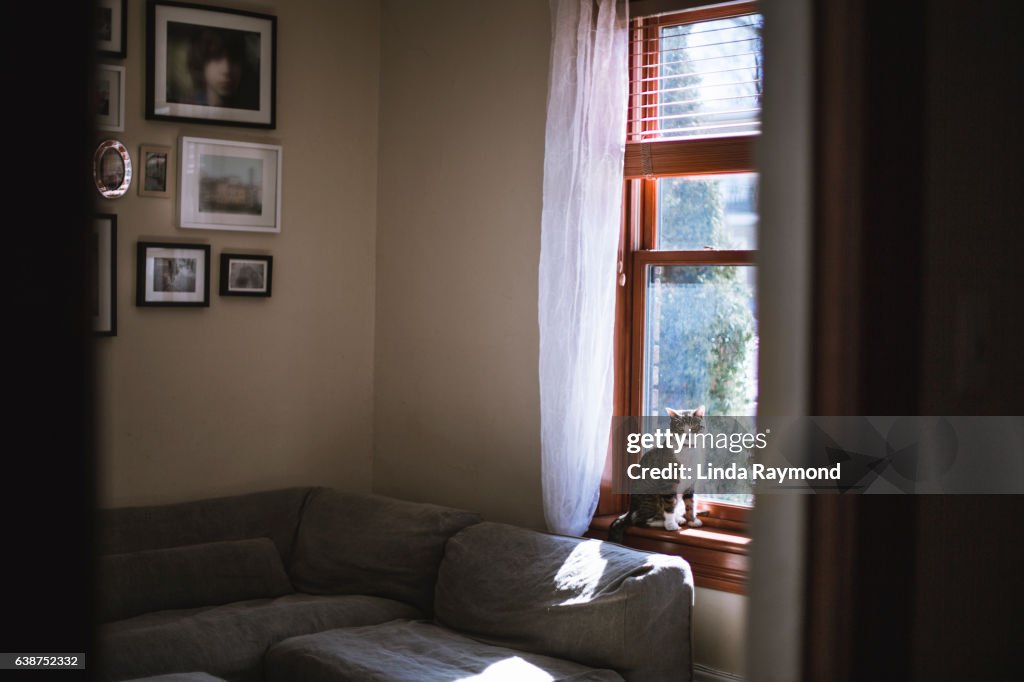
x=204 y=66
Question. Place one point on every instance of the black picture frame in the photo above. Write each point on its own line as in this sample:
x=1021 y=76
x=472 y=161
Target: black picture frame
x=171 y=274
x=179 y=35
x=103 y=271
x=245 y=274
x=112 y=21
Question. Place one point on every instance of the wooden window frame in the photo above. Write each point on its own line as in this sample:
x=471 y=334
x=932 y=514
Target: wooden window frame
x=718 y=552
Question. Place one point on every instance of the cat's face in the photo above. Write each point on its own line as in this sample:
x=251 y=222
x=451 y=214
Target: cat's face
x=686 y=421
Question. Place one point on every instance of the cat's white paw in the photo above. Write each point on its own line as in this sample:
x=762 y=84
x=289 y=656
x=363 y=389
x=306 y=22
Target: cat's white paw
x=671 y=524
x=696 y=523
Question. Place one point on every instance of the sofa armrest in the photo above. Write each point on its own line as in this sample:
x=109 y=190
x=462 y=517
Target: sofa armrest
x=593 y=602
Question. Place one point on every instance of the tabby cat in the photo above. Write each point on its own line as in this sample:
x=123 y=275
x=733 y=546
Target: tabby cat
x=656 y=503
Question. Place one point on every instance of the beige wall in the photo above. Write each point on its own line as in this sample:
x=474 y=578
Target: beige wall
x=463 y=92
x=719 y=630
x=251 y=394
x=457 y=419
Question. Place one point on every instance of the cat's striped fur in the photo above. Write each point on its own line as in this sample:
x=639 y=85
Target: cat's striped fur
x=658 y=503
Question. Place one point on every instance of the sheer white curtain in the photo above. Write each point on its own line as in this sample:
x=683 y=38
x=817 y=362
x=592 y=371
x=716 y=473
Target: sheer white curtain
x=584 y=144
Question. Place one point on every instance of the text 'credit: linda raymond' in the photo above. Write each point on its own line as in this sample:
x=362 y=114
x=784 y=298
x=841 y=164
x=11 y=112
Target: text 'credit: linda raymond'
x=732 y=472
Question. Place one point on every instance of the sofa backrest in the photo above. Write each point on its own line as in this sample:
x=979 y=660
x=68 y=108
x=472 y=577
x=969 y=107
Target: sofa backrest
x=272 y=514
x=193 y=554
x=373 y=545
x=190 y=576
x=593 y=602
x=329 y=541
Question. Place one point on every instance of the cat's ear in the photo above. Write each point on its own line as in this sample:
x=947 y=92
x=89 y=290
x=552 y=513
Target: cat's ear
x=673 y=413
x=699 y=412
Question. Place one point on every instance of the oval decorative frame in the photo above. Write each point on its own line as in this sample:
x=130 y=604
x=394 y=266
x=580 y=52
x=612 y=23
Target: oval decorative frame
x=112 y=185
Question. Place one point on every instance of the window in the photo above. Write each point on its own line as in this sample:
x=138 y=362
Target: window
x=686 y=307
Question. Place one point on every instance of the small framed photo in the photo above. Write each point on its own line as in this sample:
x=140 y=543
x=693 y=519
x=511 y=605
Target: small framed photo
x=245 y=275
x=155 y=164
x=112 y=28
x=210 y=65
x=172 y=275
x=110 y=97
x=227 y=185
x=103 y=266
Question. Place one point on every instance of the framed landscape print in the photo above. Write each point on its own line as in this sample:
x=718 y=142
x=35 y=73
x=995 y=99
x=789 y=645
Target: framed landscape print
x=245 y=275
x=155 y=165
x=111 y=28
x=227 y=185
x=110 y=97
x=172 y=274
x=103 y=266
x=210 y=65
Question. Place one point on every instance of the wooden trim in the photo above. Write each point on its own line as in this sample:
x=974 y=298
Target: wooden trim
x=637 y=342
x=724 y=516
x=611 y=502
x=649 y=214
x=701 y=156
x=719 y=559
x=705 y=257
x=675 y=12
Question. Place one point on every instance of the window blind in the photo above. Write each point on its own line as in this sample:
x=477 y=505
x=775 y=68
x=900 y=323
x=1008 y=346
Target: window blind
x=695 y=74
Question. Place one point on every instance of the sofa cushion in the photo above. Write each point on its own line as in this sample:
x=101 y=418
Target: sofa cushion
x=229 y=641
x=365 y=544
x=182 y=577
x=593 y=602
x=404 y=651
x=273 y=513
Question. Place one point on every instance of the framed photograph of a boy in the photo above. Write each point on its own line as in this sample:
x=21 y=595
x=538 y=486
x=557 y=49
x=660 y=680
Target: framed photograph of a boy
x=103 y=271
x=155 y=162
x=172 y=275
x=229 y=185
x=210 y=64
x=245 y=275
x=111 y=27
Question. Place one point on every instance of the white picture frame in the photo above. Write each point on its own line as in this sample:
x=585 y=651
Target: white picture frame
x=110 y=97
x=229 y=185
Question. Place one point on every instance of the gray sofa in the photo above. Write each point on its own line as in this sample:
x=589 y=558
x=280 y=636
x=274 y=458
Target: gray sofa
x=315 y=584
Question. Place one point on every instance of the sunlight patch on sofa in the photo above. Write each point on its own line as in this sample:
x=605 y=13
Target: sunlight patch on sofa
x=513 y=668
x=580 y=573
